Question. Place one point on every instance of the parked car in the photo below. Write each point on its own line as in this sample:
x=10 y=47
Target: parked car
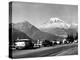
x=47 y=43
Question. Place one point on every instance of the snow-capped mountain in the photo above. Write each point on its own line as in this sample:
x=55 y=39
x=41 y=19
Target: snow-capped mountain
x=55 y=23
x=57 y=26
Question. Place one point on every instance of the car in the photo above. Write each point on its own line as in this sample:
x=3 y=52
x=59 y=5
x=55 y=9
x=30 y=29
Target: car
x=47 y=43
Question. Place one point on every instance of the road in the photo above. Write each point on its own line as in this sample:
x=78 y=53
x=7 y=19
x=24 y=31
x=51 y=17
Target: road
x=47 y=51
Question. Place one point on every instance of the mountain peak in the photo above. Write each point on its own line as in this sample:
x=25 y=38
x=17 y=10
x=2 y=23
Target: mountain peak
x=55 y=20
x=55 y=23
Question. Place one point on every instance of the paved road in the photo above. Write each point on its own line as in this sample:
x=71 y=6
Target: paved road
x=41 y=52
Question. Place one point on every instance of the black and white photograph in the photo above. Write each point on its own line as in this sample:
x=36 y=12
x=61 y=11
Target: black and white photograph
x=42 y=29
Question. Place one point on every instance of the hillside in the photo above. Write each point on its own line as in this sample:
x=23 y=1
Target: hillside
x=14 y=34
x=34 y=32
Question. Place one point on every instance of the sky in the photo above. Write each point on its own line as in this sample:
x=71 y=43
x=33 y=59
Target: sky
x=39 y=13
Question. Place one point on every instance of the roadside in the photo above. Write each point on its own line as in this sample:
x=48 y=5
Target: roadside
x=45 y=51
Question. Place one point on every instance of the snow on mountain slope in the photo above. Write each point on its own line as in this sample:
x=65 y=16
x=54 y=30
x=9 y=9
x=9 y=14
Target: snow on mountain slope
x=55 y=23
x=57 y=26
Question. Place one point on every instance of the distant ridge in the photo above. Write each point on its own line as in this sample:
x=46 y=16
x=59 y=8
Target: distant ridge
x=34 y=32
